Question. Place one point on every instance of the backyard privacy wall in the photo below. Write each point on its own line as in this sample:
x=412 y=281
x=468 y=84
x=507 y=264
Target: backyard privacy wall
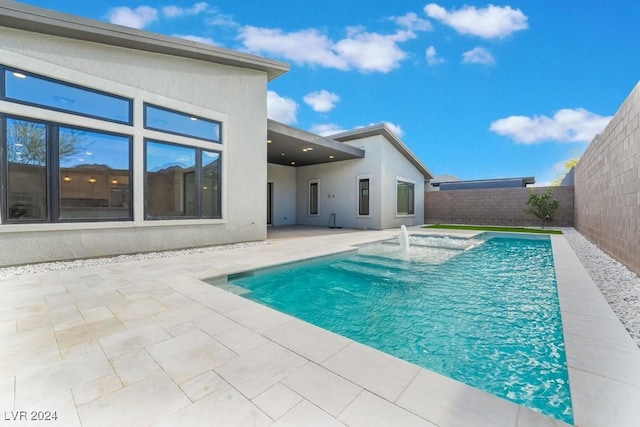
x=607 y=186
x=493 y=206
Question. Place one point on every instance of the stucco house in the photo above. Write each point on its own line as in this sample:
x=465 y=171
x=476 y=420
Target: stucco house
x=116 y=140
x=366 y=178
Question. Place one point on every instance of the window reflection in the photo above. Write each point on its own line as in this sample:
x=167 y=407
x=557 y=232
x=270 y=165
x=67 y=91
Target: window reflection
x=32 y=89
x=363 y=197
x=405 y=198
x=182 y=182
x=181 y=123
x=211 y=185
x=171 y=185
x=94 y=175
x=27 y=170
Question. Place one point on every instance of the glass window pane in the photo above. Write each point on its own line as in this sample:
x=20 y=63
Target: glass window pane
x=405 y=198
x=313 y=198
x=363 y=201
x=171 y=190
x=211 y=185
x=27 y=170
x=32 y=89
x=94 y=175
x=180 y=123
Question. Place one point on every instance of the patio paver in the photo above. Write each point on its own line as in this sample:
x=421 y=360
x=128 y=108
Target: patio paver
x=148 y=342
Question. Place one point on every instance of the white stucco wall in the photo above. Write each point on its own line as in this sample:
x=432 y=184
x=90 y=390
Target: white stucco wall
x=396 y=166
x=283 y=179
x=232 y=95
x=338 y=191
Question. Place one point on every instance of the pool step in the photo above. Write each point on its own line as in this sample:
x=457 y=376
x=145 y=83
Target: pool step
x=233 y=288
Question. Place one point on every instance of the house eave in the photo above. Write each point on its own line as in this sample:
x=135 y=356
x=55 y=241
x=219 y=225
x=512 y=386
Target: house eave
x=38 y=20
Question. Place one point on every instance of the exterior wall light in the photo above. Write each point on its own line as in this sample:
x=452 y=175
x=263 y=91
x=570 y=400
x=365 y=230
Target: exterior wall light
x=66 y=179
x=114 y=181
x=92 y=180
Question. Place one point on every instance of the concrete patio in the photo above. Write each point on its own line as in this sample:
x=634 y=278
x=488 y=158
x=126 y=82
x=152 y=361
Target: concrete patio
x=149 y=343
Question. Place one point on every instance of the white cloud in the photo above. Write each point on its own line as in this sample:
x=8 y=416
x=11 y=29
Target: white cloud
x=173 y=11
x=281 y=109
x=303 y=47
x=366 y=52
x=489 y=22
x=567 y=125
x=138 y=18
x=321 y=101
x=432 y=56
x=205 y=40
x=222 y=20
x=327 y=129
x=478 y=55
x=198 y=8
x=412 y=22
x=396 y=129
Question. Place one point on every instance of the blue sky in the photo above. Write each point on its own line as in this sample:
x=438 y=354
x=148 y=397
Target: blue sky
x=475 y=89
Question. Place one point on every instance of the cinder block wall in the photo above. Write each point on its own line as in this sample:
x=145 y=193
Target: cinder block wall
x=607 y=186
x=493 y=206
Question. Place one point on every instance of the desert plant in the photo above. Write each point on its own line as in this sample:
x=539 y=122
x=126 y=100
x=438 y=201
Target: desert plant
x=543 y=206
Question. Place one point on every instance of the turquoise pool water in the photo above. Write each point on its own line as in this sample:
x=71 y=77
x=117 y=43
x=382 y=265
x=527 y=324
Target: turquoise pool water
x=484 y=312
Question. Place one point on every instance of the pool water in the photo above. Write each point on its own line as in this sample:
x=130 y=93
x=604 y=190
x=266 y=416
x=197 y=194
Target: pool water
x=482 y=311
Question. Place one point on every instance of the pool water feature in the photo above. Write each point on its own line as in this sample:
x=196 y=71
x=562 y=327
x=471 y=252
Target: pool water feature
x=483 y=311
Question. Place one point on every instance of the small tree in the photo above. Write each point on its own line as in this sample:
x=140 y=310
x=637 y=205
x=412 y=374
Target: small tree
x=543 y=206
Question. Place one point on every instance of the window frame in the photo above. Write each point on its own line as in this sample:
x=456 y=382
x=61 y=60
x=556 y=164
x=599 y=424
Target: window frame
x=181 y=113
x=198 y=170
x=311 y=184
x=5 y=97
x=53 y=190
x=413 y=186
x=359 y=179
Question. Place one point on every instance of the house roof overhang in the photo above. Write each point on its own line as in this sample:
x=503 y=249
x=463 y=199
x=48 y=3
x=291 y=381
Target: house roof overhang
x=290 y=146
x=382 y=129
x=44 y=21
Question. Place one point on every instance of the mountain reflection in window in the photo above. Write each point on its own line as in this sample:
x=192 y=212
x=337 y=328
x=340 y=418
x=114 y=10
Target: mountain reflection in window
x=171 y=187
x=94 y=175
x=181 y=182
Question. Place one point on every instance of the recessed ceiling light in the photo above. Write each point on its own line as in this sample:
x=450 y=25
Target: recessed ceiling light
x=19 y=75
x=293 y=163
x=194 y=118
x=269 y=141
x=282 y=154
x=331 y=157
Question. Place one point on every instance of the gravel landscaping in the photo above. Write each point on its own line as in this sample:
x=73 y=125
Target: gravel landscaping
x=92 y=262
x=619 y=285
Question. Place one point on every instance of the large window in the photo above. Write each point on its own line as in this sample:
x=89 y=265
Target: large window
x=405 y=199
x=165 y=120
x=26 y=88
x=58 y=173
x=313 y=197
x=181 y=182
x=363 y=196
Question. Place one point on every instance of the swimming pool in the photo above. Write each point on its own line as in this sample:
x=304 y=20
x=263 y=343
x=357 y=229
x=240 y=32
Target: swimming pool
x=483 y=311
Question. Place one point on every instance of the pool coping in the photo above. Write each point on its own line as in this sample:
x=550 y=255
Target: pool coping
x=270 y=367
